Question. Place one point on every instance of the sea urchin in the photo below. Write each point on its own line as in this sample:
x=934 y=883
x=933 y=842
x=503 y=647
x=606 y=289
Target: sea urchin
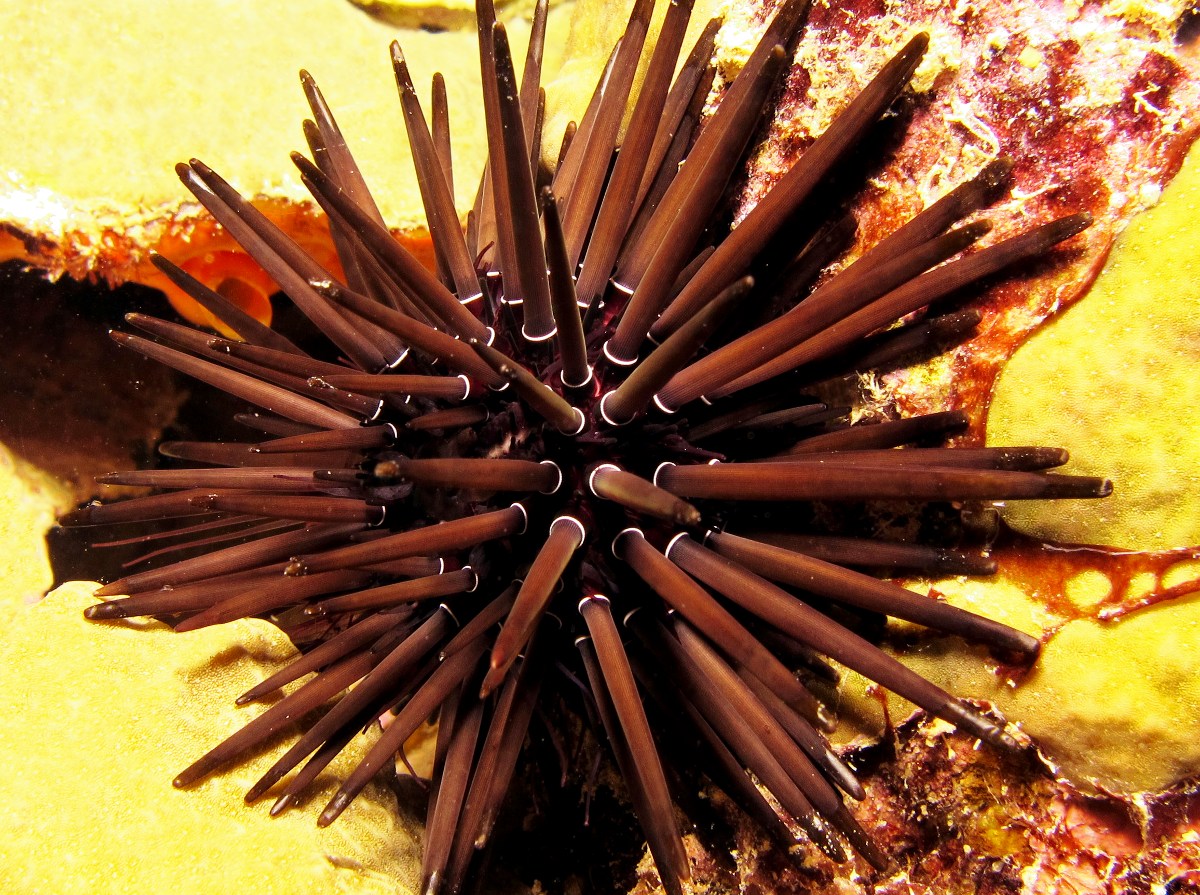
x=574 y=352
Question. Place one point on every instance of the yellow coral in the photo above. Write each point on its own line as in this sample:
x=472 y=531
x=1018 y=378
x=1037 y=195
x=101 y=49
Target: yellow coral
x=1116 y=704
x=1114 y=381
x=97 y=720
x=106 y=99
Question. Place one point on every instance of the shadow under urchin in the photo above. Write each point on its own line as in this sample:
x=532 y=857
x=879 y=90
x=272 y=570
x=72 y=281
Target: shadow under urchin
x=536 y=476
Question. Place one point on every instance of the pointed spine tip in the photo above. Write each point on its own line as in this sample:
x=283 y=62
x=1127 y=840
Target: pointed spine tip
x=255 y=792
x=334 y=809
x=194 y=623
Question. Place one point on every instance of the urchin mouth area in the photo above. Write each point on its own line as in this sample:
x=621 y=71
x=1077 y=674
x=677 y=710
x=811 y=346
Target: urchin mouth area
x=586 y=405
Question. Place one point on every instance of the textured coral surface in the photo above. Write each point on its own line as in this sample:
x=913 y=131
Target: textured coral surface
x=1134 y=343
x=117 y=684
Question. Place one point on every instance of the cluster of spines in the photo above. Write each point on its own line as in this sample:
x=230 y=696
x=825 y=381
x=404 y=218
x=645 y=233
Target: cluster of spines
x=518 y=367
